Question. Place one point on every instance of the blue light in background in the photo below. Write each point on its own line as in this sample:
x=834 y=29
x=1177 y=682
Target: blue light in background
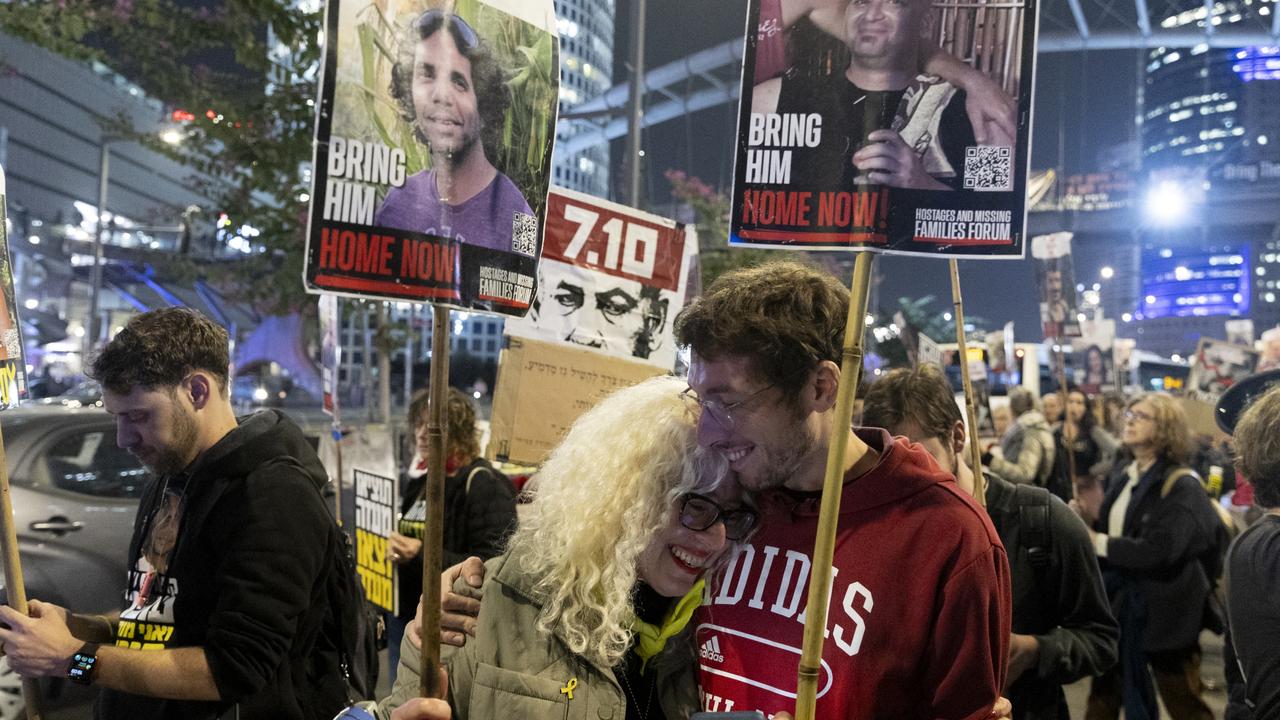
x=1198 y=282
x=1259 y=62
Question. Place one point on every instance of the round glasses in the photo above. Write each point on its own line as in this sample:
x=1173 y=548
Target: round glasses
x=722 y=413
x=698 y=512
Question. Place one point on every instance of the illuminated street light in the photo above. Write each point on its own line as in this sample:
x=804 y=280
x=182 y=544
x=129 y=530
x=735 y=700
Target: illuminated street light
x=172 y=136
x=1166 y=203
x=1107 y=272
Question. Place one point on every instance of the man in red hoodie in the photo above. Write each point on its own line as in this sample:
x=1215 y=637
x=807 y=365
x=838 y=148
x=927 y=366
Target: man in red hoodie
x=920 y=606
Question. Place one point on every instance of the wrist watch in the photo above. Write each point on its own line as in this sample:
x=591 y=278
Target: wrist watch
x=84 y=664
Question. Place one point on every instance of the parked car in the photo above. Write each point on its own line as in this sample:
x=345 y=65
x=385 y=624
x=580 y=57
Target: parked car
x=75 y=494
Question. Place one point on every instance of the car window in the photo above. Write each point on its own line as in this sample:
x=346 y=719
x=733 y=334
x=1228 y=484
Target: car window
x=89 y=462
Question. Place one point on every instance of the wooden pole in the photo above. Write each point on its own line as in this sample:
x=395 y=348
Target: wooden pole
x=433 y=550
x=17 y=588
x=824 y=545
x=336 y=431
x=975 y=453
x=1066 y=418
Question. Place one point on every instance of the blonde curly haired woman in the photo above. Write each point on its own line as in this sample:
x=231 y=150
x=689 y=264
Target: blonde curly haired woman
x=585 y=615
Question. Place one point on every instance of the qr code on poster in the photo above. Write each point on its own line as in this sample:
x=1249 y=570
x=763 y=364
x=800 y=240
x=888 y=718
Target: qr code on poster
x=988 y=168
x=524 y=234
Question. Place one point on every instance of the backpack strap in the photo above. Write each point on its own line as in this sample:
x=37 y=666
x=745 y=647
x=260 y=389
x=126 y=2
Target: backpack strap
x=472 y=476
x=1171 y=479
x=1033 y=521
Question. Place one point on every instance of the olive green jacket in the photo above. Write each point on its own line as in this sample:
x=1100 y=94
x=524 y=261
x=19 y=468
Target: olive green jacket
x=510 y=669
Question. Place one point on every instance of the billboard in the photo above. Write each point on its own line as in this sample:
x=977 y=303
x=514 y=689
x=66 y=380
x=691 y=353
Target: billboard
x=433 y=151
x=1195 y=281
x=612 y=279
x=850 y=137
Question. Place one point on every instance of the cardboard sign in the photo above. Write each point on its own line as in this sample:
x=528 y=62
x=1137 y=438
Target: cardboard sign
x=1217 y=366
x=829 y=158
x=543 y=388
x=375 y=519
x=13 y=368
x=612 y=279
x=1055 y=276
x=433 y=151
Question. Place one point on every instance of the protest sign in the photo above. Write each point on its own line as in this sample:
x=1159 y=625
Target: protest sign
x=612 y=279
x=842 y=145
x=375 y=519
x=1092 y=351
x=1240 y=331
x=431 y=191
x=13 y=368
x=543 y=387
x=1217 y=366
x=1270 y=345
x=330 y=353
x=1055 y=276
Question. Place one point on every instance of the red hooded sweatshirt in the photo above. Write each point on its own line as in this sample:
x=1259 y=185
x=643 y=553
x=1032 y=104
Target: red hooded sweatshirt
x=919 y=623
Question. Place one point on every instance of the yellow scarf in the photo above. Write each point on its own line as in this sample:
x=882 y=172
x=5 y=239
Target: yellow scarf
x=650 y=639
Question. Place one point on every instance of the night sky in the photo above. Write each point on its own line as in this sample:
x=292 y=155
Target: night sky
x=1084 y=108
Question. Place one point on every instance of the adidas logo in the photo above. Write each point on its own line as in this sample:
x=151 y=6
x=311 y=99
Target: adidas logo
x=710 y=650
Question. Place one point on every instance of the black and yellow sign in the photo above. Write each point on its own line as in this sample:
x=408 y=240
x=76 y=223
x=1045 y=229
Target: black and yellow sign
x=375 y=519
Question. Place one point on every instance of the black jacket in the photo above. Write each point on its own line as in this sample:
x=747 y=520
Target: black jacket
x=1156 y=560
x=475 y=523
x=1058 y=597
x=248 y=575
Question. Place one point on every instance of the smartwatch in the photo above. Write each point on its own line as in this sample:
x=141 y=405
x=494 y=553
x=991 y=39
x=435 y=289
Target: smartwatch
x=83 y=664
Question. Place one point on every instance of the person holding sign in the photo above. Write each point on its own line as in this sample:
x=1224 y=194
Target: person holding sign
x=226 y=603
x=450 y=88
x=479 y=502
x=588 y=612
x=920 y=604
x=878 y=122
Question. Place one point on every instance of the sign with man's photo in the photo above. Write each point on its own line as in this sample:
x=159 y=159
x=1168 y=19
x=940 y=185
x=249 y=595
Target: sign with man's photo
x=1055 y=276
x=1217 y=366
x=612 y=279
x=433 y=151
x=899 y=127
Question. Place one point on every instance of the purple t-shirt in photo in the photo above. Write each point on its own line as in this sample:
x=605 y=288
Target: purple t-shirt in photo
x=485 y=220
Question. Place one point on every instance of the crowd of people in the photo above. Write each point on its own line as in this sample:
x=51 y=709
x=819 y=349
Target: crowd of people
x=661 y=564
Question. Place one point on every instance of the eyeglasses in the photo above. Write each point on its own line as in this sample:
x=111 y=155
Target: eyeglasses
x=1131 y=415
x=698 y=512
x=431 y=20
x=722 y=413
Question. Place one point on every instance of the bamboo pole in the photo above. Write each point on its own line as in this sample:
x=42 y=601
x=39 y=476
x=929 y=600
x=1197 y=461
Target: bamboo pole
x=336 y=431
x=824 y=545
x=433 y=550
x=17 y=588
x=975 y=453
x=1062 y=392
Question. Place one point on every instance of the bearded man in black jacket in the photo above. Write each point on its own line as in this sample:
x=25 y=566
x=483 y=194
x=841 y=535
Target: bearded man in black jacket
x=225 y=601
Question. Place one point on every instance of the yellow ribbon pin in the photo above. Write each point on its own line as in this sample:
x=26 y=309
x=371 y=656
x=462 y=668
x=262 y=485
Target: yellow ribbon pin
x=568 y=689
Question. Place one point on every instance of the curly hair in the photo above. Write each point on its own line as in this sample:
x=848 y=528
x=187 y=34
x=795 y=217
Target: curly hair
x=460 y=424
x=1172 y=439
x=1257 y=438
x=600 y=499
x=786 y=317
x=487 y=76
x=157 y=349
